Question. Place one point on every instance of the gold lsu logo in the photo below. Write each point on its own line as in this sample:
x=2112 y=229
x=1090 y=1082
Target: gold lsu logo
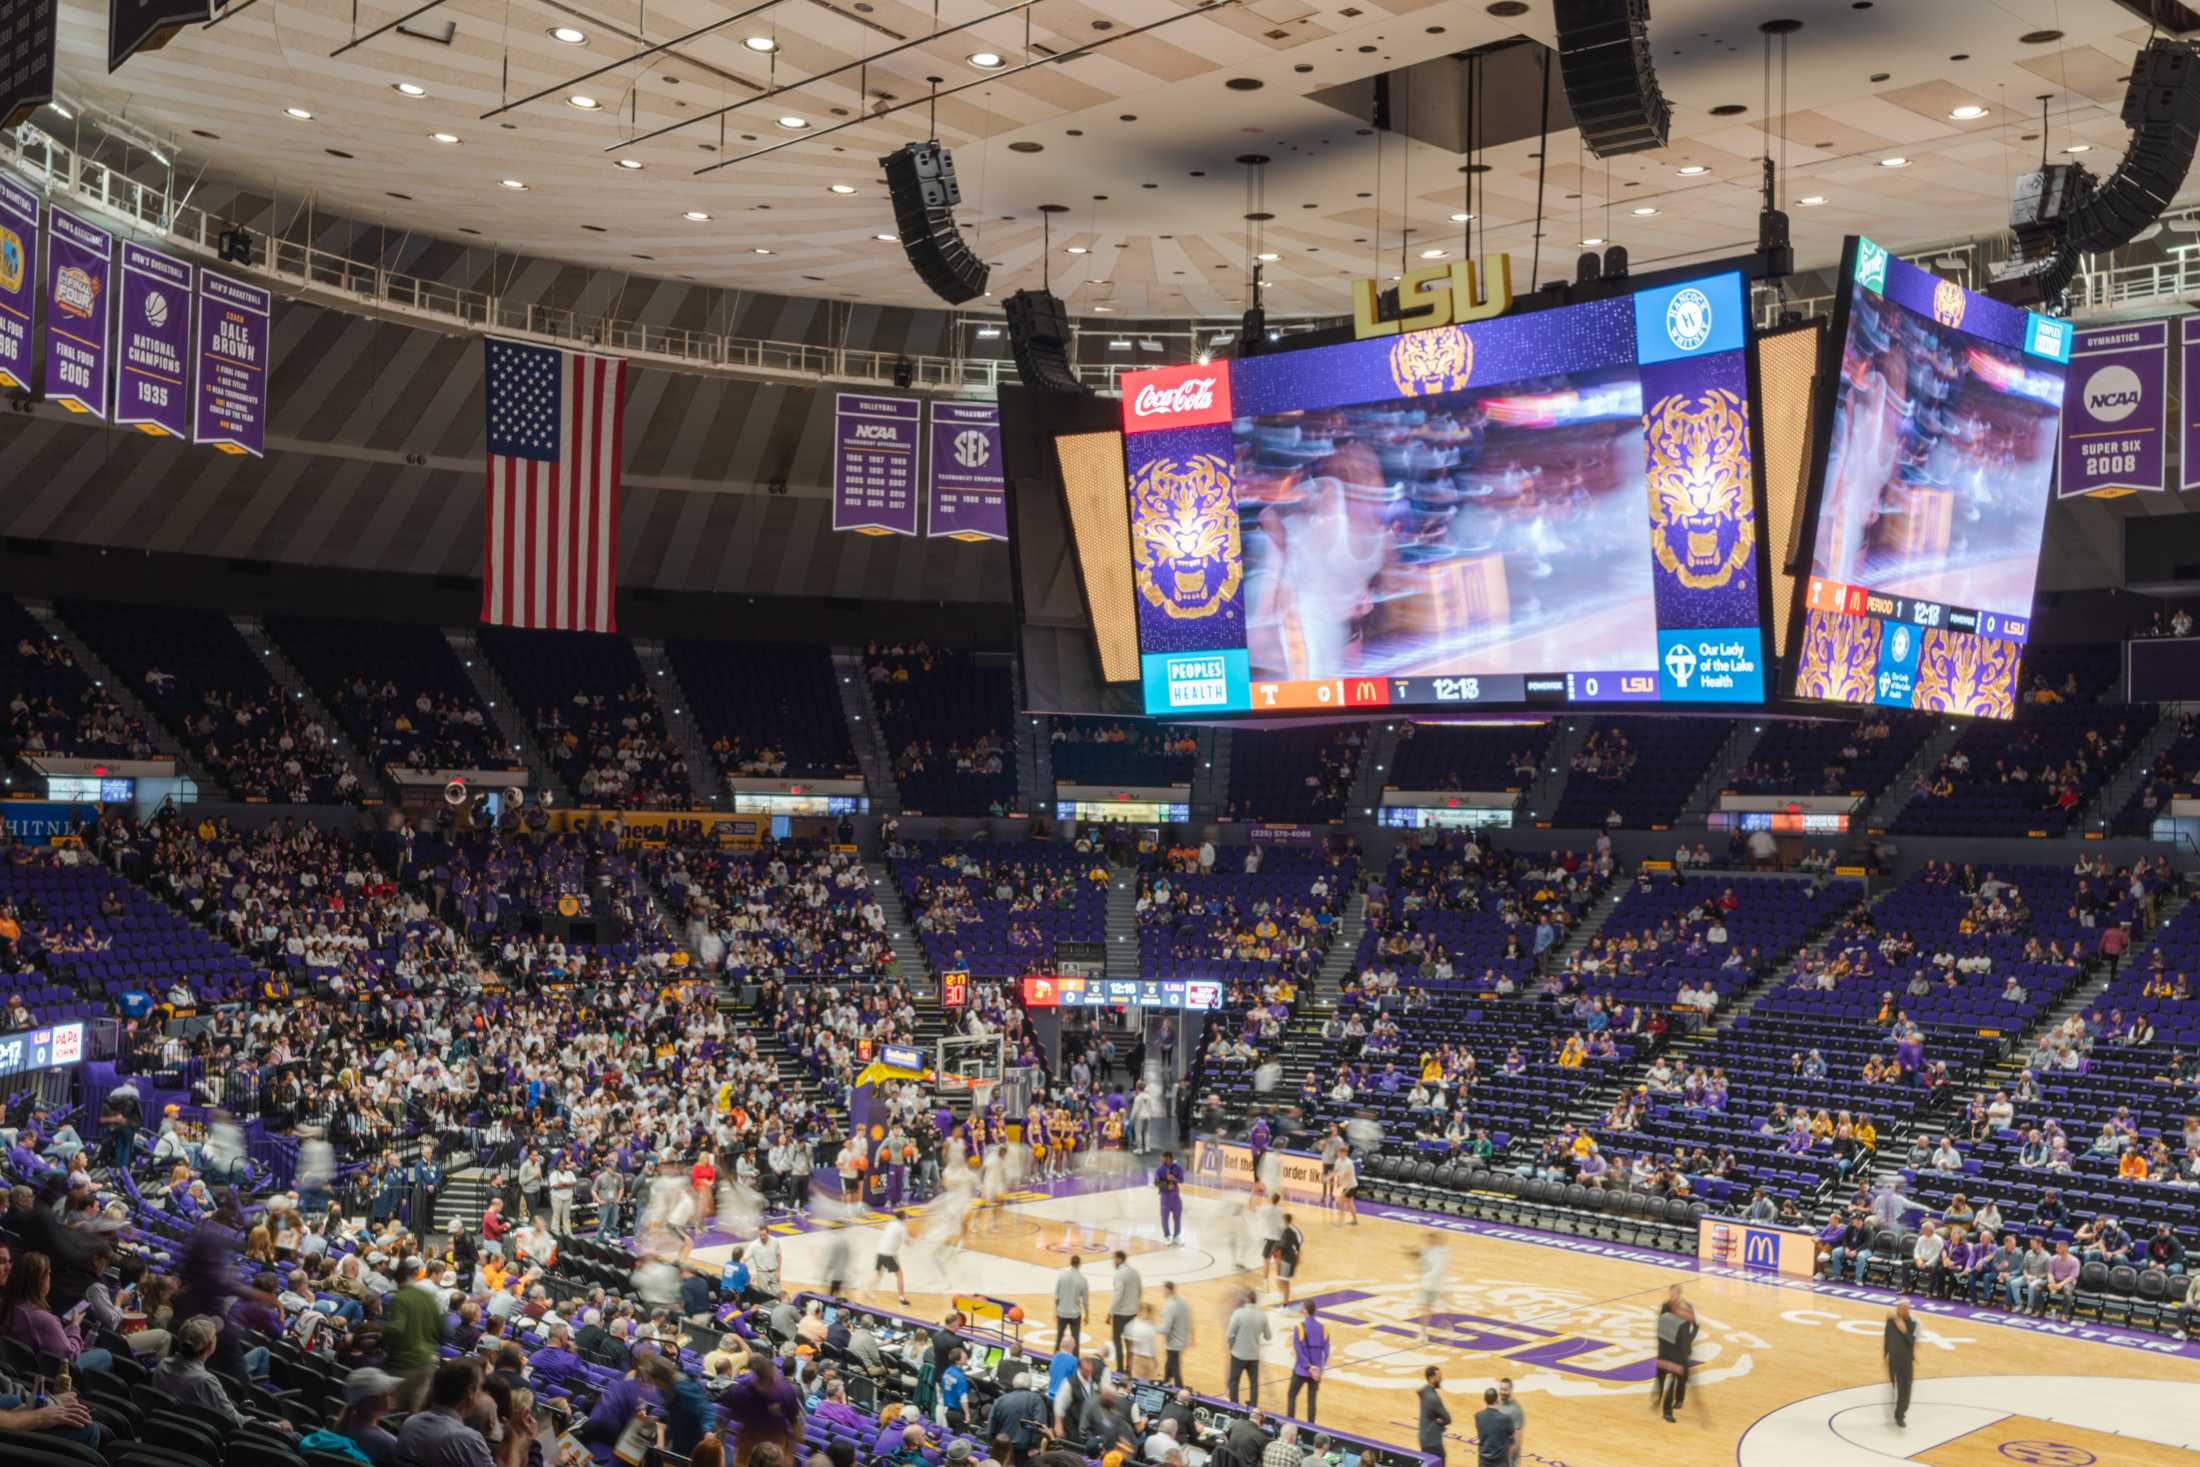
x=1184 y=525
x=1702 y=520
x=1425 y=363
x=1948 y=303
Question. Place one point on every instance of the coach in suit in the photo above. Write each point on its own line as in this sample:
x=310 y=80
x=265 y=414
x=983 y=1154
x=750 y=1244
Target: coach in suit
x=1900 y=1348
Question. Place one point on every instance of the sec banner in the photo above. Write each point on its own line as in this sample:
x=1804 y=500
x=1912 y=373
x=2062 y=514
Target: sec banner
x=969 y=496
x=79 y=257
x=2115 y=411
x=152 y=333
x=18 y=280
x=229 y=365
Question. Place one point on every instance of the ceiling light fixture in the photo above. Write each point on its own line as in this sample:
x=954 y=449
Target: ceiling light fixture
x=2079 y=148
x=763 y=44
x=793 y=123
x=840 y=188
x=1645 y=212
x=1895 y=162
x=1968 y=112
x=1462 y=218
x=696 y=216
x=1105 y=310
x=1079 y=250
x=887 y=238
x=298 y=112
x=1432 y=254
x=585 y=104
x=409 y=89
x=1811 y=201
x=631 y=164
x=567 y=34
x=1592 y=241
x=762 y=251
x=445 y=138
x=986 y=60
x=513 y=184
x=1693 y=169
x=1268 y=259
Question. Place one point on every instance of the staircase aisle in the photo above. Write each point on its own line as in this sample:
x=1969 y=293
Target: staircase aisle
x=509 y=717
x=164 y=739
x=901 y=931
x=704 y=776
x=1121 y=929
x=373 y=783
x=864 y=731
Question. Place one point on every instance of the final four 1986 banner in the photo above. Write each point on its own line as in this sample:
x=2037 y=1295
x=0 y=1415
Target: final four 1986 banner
x=18 y=280
x=229 y=369
x=2115 y=411
x=969 y=496
x=80 y=258
x=152 y=340
x=875 y=464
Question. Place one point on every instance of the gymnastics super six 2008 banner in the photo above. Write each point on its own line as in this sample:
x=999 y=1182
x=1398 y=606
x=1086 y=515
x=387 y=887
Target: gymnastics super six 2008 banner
x=2116 y=411
x=80 y=260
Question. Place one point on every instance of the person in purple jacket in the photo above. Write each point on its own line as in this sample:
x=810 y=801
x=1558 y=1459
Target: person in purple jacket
x=556 y=1362
x=1309 y=1358
x=1258 y=1138
x=1168 y=1180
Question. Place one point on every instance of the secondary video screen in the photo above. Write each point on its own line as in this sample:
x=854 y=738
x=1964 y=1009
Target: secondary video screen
x=1557 y=507
x=1939 y=463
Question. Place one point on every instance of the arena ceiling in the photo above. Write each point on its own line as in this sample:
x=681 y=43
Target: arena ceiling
x=1136 y=138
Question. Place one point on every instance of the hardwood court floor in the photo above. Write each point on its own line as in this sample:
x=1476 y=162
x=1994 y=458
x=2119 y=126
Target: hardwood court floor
x=1784 y=1375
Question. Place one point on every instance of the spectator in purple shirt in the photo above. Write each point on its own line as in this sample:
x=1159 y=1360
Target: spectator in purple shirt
x=835 y=1408
x=2062 y=1281
x=626 y=1395
x=556 y=1362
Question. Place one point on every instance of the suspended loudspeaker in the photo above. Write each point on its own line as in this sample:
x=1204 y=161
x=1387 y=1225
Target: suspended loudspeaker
x=921 y=179
x=1038 y=332
x=1604 y=59
x=2162 y=109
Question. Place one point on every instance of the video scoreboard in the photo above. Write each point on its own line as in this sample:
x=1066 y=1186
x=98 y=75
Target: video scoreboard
x=51 y=1048
x=1061 y=992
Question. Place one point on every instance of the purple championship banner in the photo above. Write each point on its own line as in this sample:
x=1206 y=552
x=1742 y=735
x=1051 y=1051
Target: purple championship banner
x=152 y=342
x=2188 y=456
x=229 y=365
x=2116 y=412
x=79 y=258
x=18 y=280
x=875 y=463
x=969 y=496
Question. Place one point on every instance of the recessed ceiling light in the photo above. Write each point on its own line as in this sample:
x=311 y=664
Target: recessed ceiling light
x=1461 y=218
x=1270 y=258
x=1645 y=212
x=841 y=188
x=1105 y=310
x=888 y=238
x=298 y=112
x=511 y=183
x=1432 y=254
x=761 y=43
x=1079 y=250
x=410 y=89
x=445 y=138
x=762 y=251
x=1693 y=169
x=567 y=34
x=793 y=123
x=634 y=164
x=2079 y=148
x=1968 y=112
x=986 y=60
x=1592 y=240
x=1811 y=201
x=1897 y=161
x=586 y=104
x=696 y=215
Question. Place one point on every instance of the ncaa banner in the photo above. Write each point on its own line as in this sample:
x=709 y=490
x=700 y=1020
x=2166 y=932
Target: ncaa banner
x=78 y=259
x=229 y=365
x=969 y=496
x=18 y=280
x=152 y=340
x=875 y=463
x=2115 y=411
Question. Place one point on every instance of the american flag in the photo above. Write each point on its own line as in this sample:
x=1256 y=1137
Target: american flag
x=552 y=544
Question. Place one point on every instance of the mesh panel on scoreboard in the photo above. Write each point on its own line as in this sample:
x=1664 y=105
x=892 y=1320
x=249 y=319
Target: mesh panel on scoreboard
x=1099 y=503
x=1787 y=373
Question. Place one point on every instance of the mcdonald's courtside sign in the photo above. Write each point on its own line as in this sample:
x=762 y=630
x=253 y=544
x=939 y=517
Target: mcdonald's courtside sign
x=1436 y=295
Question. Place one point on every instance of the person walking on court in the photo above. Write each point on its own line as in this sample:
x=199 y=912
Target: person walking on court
x=1247 y=1331
x=1309 y=1358
x=1123 y=1306
x=1168 y=1180
x=1176 y=1334
x=1493 y=1433
x=1435 y=1415
x=1900 y=1348
x=1071 y=1293
x=1347 y=1179
x=1287 y=1256
x=1676 y=1335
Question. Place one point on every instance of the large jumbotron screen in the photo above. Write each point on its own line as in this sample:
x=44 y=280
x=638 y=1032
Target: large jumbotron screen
x=1555 y=508
x=1937 y=458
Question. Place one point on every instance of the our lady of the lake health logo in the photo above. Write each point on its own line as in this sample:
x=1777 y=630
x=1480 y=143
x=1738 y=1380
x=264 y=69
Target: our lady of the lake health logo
x=1688 y=319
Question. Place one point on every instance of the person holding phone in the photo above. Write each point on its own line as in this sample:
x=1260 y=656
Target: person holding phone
x=27 y=1315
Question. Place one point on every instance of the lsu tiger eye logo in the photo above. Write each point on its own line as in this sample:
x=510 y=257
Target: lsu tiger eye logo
x=1184 y=525
x=1703 y=523
x=1427 y=363
x=1948 y=303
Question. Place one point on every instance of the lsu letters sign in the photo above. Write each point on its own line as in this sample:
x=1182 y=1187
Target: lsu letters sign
x=1757 y=1247
x=1230 y=1164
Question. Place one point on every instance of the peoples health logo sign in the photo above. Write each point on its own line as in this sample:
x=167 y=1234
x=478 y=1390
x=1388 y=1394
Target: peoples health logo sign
x=1198 y=682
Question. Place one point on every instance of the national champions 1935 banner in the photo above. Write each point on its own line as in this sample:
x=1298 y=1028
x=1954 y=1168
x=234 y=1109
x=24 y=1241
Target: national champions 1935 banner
x=152 y=342
x=2115 y=411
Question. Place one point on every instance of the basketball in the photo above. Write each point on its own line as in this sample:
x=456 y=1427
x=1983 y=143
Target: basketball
x=1015 y=1314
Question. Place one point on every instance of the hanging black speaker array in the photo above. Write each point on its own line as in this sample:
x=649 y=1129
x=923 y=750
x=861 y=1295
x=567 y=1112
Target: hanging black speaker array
x=920 y=177
x=2162 y=109
x=1611 y=87
x=1038 y=333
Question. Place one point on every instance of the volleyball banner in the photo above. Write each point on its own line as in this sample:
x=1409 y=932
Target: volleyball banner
x=968 y=495
x=875 y=464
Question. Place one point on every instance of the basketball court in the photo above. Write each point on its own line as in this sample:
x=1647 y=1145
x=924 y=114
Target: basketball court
x=1786 y=1372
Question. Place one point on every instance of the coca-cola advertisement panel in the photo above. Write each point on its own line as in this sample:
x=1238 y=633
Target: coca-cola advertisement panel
x=1176 y=397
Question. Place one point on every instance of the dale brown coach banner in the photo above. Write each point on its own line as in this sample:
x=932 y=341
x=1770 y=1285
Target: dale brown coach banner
x=875 y=464
x=969 y=496
x=80 y=259
x=18 y=280
x=229 y=370
x=2116 y=411
x=152 y=342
